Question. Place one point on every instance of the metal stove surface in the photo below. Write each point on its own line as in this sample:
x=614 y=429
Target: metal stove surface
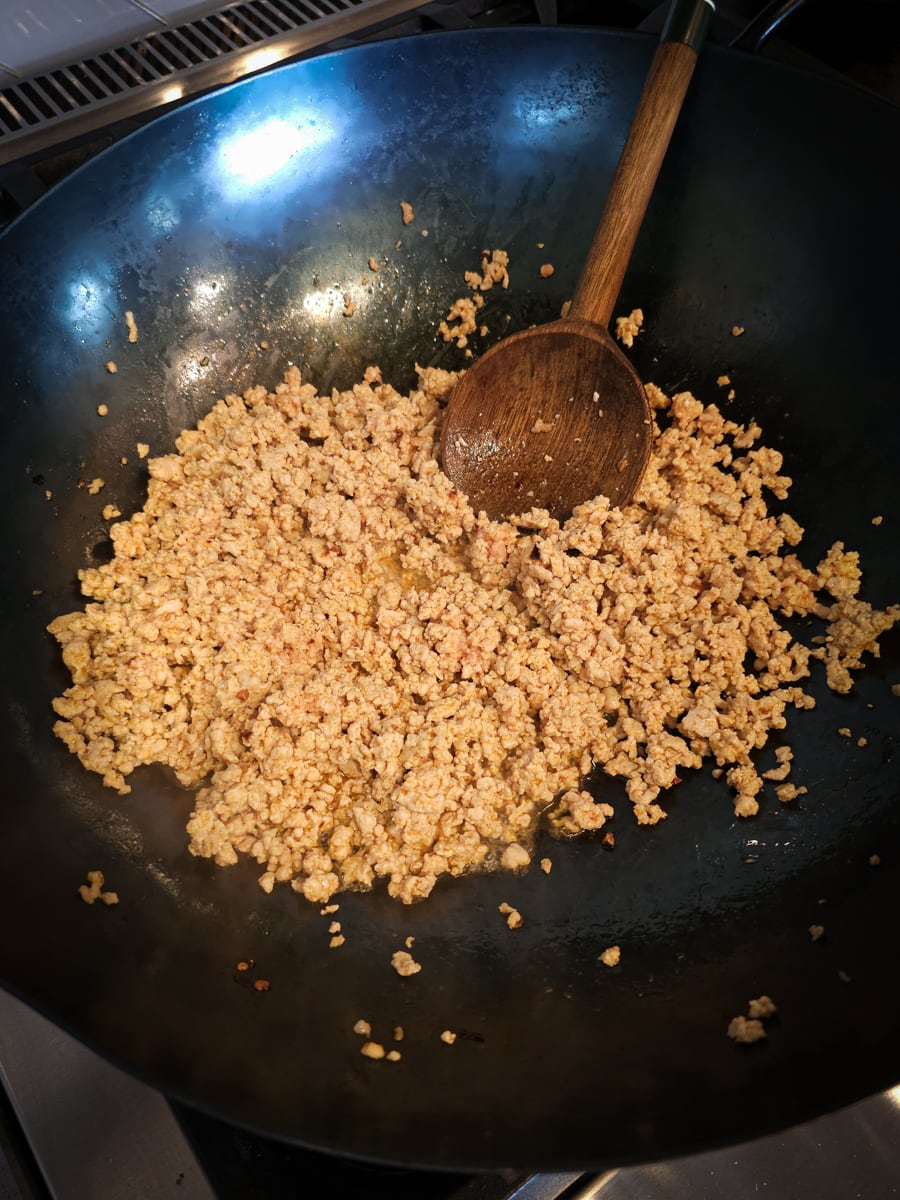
x=72 y=1127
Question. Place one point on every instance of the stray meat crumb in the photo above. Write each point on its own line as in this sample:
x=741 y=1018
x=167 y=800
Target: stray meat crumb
x=862 y=742
x=874 y=860
x=407 y=213
x=363 y=1028
x=102 y=410
x=513 y=916
x=783 y=756
x=93 y=890
x=110 y=512
x=737 y=330
x=546 y=865
x=547 y=270
x=627 y=328
x=95 y=486
x=399 y=1033
x=514 y=857
x=349 y=306
x=393 y=1056
x=542 y=426
x=142 y=449
x=111 y=367
x=372 y=1050
x=334 y=927
x=336 y=941
x=243 y=966
x=261 y=985
x=132 y=326
x=373 y=265
x=328 y=910
x=764 y=1006
x=448 y=1036
x=816 y=931
x=404 y=963
x=786 y=792
x=408 y=942
x=749 y=1029
x=845 y=732
x=877 y=520
x=895 y=689
x=611 y=956
x=723 y=381
x=746 y=1031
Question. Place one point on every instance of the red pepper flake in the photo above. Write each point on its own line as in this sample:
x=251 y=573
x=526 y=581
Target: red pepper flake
x=261 y=985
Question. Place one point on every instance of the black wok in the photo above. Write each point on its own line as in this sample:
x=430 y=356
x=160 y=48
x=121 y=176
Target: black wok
x=777 y=210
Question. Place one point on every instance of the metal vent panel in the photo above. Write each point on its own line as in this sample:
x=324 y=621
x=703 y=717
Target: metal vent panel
x=173 y=63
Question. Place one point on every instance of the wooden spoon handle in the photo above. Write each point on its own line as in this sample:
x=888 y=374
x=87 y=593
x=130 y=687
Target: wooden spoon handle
x=642 y=156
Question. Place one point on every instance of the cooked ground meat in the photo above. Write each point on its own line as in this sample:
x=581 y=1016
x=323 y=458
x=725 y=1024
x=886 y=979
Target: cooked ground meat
x=372 y=680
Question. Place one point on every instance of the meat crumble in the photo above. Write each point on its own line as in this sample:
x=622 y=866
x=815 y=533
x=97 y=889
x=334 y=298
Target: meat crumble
x=367 y=679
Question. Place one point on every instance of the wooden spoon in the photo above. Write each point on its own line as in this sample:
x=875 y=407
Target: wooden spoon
x=555 y=415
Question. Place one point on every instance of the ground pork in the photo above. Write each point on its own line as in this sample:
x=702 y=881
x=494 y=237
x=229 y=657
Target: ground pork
x=367 y=679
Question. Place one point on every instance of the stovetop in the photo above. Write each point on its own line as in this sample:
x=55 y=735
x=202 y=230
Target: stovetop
x=74 y=1128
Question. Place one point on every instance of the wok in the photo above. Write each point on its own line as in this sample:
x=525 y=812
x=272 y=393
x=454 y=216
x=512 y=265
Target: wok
x=238 y=220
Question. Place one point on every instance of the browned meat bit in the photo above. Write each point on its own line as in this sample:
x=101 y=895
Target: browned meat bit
x=261 y=985
x=514 y=857
x=546 y=865
x=448 y=1036
x=363 y=1028
x=816 y=932
x=372 y=1050
x=399 y=1033
x=93 y=890
x=764 y=1006
x=627 y=328
x=746 y=1031
x=611 y=956
x=373 y=264
x=243 y=966
x=737 y=330
x=393 y=1056
x=750 y=1029
x=513 y=916
x=407 y=213
x=874 y=860
x=608 y=840
x=404 y=963
x=547 y=269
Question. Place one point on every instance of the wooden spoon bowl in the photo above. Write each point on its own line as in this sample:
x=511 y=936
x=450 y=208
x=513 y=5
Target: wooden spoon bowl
x=510 y=457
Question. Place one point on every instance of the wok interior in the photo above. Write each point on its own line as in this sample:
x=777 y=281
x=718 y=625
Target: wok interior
x=244 y=218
